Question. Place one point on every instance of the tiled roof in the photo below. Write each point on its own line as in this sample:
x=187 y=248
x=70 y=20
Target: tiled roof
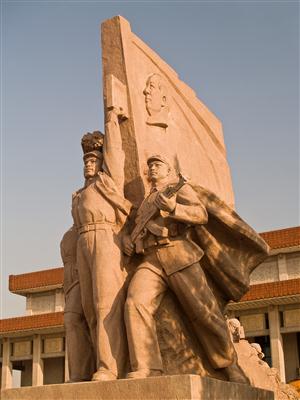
x=48 y=277
x=281 y=238
x=56 y=319
x=273 y=289
x=31 y=322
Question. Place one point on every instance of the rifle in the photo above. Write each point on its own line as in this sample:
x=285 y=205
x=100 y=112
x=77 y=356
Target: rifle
x=170 y=191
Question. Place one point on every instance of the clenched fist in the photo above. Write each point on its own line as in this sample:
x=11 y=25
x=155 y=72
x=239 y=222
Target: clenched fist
x=128 y=246
x=115 y=114
x=164 y=203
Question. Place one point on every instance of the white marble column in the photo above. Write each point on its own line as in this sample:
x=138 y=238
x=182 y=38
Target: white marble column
x=37 y=362
x=276 y=341
x=6 y=376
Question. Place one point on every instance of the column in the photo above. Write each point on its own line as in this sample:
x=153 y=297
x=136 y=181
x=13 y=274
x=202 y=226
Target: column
x=37 y=362
x=67 y=375
x=59 y=300
x=276 y=341
x=282 y=267
x=6 y=377
x=29 y=304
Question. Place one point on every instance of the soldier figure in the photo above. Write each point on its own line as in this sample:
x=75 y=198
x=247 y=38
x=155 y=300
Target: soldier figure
x=171 y=259
x=98 y=210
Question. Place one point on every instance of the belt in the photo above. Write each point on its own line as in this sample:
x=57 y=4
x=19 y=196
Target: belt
x=95 y=226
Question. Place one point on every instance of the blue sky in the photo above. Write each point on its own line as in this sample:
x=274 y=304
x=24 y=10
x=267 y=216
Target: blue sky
x=241 y=58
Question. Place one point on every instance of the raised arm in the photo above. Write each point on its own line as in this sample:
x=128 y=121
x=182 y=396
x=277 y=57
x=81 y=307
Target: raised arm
x=113 y=154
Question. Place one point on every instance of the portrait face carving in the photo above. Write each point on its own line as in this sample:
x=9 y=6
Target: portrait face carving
x=155 y=94
x=157 y=108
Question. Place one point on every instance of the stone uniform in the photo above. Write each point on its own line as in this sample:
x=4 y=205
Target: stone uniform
x=81 y=359
x=97 y=211
x=172 y=260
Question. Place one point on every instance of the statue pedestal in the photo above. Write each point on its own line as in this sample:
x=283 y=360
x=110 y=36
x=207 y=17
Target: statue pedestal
x=180 y=387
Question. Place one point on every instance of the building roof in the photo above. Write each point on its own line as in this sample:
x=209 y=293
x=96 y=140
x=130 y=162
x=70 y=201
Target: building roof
x=288 y=237
x=48 y=279
x=272 y=289
x=53 y=278
x=31 y=322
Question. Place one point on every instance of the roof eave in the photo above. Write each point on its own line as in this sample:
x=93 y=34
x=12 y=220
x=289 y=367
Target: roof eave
x=259 y=303
x=38 y=289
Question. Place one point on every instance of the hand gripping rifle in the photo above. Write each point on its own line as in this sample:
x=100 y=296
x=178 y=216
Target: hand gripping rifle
x=138 y=231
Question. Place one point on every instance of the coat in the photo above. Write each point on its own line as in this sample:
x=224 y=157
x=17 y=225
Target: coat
x=232 y=249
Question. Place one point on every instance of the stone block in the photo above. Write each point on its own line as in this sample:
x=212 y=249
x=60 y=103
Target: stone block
x=253 y=322
x=180 y=387
x=53 y=345
x=22 y=348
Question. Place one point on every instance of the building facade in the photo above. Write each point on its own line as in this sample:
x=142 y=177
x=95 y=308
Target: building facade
x=34 y=344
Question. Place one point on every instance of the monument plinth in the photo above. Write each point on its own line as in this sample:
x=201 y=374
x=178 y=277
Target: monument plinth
x=179 y=387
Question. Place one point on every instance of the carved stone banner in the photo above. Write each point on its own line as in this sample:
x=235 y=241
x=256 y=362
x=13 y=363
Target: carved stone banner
x=165 y=115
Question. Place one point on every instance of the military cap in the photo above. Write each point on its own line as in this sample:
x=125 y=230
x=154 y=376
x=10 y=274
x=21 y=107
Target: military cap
x=94 y=153
x=157 y=157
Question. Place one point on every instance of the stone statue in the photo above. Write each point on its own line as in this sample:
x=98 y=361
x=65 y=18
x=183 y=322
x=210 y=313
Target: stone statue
x=98 y=210
x=81 y=357
x=236 y=330
x=156 y=101
x=259 y=373
x=185 y=243
x=172 y=258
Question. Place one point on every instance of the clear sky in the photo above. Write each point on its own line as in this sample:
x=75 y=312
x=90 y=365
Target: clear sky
x=241 y=58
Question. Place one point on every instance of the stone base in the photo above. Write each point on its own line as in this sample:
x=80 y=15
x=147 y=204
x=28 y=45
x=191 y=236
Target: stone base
x=179 y=387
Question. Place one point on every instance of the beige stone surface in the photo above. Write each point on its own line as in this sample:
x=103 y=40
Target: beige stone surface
x=180 y=387
x=165 y=115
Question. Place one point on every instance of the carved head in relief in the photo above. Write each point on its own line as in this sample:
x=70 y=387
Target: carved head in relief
x=155 y=94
